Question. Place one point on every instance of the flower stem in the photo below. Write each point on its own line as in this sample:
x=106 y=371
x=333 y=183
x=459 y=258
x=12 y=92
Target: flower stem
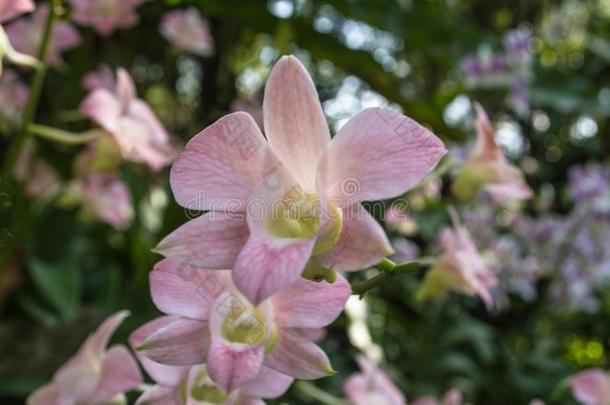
x=65 y=137
x=387 y=273
x=35 y=90
x=316 y=393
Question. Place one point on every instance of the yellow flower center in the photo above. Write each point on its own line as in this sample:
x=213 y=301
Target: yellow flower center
x=204 y=389
x=297 y=216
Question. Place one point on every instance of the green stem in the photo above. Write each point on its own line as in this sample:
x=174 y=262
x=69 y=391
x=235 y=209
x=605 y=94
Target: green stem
x=397 y=270
x=35 y=90
x=316 y=393
x=65 y=137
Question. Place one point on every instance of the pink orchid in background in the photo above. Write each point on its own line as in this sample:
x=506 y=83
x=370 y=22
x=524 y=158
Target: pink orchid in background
x=13 y=96
x=452 y=397
x=26 y=33
x=398 y=218
x=372 y=386
x=292 y=202
x=188 y=31
x=95 y=375
x=40 y=180
x=179 y=385
x=210 y=322
x=460 y=268
x=109 y=198
x=10 y=9
x=487 y=168
x=102 y=78
x=106 y=16
x=591 y=387
x=136 y=129
x=406 y=250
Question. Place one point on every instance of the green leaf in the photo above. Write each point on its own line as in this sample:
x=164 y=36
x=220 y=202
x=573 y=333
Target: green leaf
x=59 y=284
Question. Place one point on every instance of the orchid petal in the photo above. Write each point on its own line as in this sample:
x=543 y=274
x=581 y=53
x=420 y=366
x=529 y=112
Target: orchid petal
x=378 y=154
x=296 y=356
x=267 y=384
x=102 y=107
x=159 y=395
x=186 y=291
x=294 y=121
x=125 y=89
x=267 y=265
x=46 y=395
x=591 y=387
x=307 y=304
x=10 y=9
x=362 y=242
x=179 y=342
x=210 y=241
x=221 y=165
x=232 y=365
x=170 y=376
x=120 y=373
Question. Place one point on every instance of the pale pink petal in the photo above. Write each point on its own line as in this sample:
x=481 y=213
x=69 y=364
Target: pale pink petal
x=125 y=89
x=45 y=395
x=96 y=343
x=294 y=121
x=517 y=190
x=160 y=395
x=424 y=401
x=141 y=111
x=221 y=165
x=267 y=384
x=378 y=154
x=307 y=304
x=170 y=376
x=10 y=9
x=362 y=242
x=232 y=365
x=453 y=397
x=591 y=387
x=181 y=342
x=296 y=356
x=102 y=107
x=183 y=290
x=486 y=147
x=211 y=241
x=267 y=265
x=120 y=373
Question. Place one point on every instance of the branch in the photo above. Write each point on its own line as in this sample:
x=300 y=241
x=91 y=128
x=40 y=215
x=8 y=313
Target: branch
x=389 y=270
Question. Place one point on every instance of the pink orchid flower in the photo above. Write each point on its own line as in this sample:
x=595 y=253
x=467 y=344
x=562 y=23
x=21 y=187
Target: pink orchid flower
x=210 y=322
x=106 y=16
x=452 y=397
x=10 y=9
x=591 y=387
x=26 y=33
x=461 y=267
x=95 y=375
x=138 y=132
x=102 y=78
x=277 y=203
x=192 y=385
x=398 y=218
x=487 y=168
x=372 y=386
x=109 y=199
x=188 y=31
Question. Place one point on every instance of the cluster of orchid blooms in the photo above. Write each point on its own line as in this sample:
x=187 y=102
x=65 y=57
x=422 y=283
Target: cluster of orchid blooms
x=248 y=287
